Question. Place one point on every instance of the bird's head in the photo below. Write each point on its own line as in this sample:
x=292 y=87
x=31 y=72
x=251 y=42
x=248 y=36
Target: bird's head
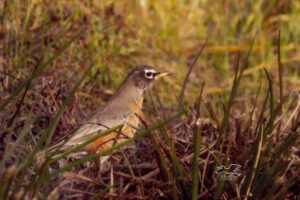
x=139 y=80
x=144 y=76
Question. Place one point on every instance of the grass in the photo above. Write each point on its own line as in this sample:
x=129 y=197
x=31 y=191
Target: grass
x=61 y=60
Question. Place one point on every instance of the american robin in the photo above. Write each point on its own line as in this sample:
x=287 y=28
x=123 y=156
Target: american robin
x=123 y=108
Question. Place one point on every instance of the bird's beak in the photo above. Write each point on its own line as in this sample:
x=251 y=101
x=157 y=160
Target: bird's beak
x=163 y=73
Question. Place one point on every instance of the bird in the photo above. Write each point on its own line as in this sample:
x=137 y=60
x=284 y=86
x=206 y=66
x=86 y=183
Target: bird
x=123 y=108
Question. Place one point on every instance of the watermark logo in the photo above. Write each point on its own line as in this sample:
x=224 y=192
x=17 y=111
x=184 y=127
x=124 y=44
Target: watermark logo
x=228 y=173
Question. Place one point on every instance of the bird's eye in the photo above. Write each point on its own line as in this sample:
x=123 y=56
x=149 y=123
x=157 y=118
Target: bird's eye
x=149 y=75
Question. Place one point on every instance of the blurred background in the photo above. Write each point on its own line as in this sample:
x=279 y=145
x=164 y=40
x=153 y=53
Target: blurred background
x=115 y=36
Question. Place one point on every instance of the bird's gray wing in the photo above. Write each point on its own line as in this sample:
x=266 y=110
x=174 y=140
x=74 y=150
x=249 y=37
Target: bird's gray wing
x=96 y=124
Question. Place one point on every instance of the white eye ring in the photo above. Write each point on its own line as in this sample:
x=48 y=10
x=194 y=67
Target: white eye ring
x=149 y=75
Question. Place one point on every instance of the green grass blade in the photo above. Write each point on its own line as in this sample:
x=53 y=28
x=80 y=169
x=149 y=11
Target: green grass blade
x=225 y=121
x=270 y=125
x=127 y=163
x=41 y=68
x=252 y=111
x=46 y=133
x=273 y=189
x=80 y=146
x=293 y=181
x=196 y=163
x=250 y=175
x=197 y=141
x=179 y=174
x=8 y=151
x=258 y=129
x=219 y=189
x=102 y=192
x=7 y=181
x=291 y=139
x=117 y=146
x=163 y=166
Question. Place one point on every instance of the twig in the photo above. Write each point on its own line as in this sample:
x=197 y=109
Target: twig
x=11 y=76
x=190 y=70
x=280 y=68
x=25 y=92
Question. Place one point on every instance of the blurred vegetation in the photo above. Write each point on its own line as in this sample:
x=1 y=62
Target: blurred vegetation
x=47 y=46
x=167 y=34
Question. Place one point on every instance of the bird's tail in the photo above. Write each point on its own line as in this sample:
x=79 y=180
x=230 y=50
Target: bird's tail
x=51 y=152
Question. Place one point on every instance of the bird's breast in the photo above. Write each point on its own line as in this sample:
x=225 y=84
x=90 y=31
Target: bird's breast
x=128 y=130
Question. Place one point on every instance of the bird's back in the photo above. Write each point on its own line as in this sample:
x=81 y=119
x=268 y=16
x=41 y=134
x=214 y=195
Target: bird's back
x=102 y=119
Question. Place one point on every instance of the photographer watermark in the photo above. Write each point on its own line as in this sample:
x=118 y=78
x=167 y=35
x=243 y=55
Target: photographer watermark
x=228 y=173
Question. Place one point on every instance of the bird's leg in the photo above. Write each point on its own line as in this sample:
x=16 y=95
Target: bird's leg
x=101 y=164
